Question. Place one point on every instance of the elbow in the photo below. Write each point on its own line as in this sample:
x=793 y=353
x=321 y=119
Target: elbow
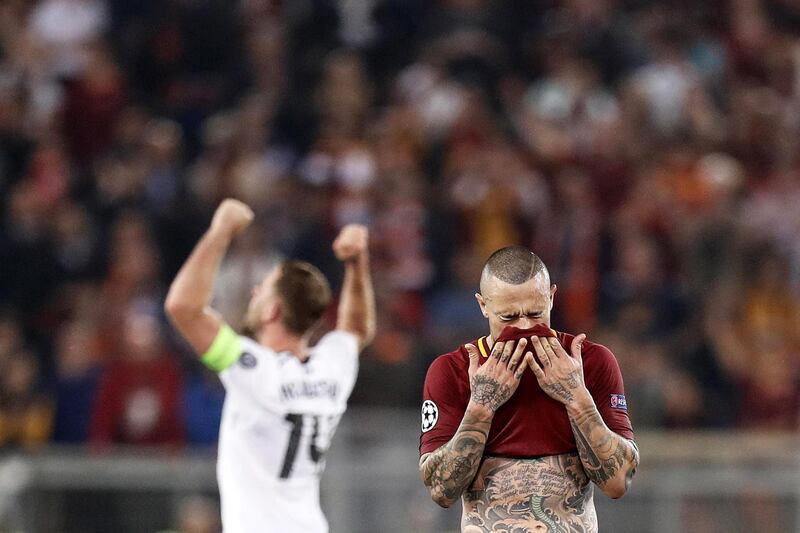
x=441 y=500
x=368 y=335
x=615 y=491
x=438 y=493
x=364 y=332
x=179 y=311
x=443 y=503
x=173 y=307
x=617 y=488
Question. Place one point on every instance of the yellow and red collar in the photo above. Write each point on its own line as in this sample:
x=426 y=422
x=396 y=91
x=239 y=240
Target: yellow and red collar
x=482 y=347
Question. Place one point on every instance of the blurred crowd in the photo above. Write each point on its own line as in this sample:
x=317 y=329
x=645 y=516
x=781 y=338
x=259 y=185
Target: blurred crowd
x=647 y=151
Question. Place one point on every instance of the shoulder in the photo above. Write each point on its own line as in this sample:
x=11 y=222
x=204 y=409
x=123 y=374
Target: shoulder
x=447 y=379
x=450 y=362
x=599 y=356
x=248 y=345
x=594 y=354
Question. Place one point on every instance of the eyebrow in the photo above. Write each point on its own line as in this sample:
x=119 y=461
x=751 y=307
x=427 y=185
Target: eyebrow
x=517 y=313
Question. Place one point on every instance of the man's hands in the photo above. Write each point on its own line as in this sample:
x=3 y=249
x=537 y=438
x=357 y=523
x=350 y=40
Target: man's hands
x=231 y=217
x=559 y=374
x=493 y=383
x=351 y=242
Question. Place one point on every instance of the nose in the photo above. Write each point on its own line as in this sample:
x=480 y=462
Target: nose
x=527 y=322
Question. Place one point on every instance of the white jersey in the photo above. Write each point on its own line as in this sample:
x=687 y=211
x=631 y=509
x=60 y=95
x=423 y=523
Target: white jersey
x=277 y=423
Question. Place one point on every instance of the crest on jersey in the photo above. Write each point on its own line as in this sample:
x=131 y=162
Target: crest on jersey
x=248 y=360
x=430 y=415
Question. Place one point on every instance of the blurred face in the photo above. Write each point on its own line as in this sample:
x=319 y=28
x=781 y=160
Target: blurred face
x=10 y=336
x=522 y=306
x=20 y=374
x=75 y=349
x=141 y=336
x=263 y=302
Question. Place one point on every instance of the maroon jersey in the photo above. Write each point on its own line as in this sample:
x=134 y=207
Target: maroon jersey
x=530 y=423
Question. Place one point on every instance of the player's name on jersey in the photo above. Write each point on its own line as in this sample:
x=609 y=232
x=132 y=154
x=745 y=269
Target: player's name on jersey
x=309 y=389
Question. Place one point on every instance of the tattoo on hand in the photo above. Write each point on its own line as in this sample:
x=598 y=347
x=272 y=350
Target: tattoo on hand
x=559 y=392
x=572 y=380
x=489 y=392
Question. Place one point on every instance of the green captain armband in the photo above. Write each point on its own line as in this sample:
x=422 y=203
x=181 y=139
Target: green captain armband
x=224 y=351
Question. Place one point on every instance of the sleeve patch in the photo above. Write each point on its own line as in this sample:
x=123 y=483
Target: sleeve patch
x=430 y=415
x=224 y=351
x=248 y=360
x=618 y=402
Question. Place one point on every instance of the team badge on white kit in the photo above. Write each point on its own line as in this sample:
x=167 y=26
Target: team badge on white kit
x=430 y=415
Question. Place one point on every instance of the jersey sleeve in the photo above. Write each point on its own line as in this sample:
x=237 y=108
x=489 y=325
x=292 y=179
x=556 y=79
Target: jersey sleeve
x=443 y=404
x=604 y=381
x=245 y=367
x=340 y=350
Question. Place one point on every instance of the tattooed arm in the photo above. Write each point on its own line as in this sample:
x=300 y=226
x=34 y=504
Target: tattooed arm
x=608 y=459
x=450 y=469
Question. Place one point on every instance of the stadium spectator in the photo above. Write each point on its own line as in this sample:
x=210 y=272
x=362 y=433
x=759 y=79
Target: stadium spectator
x=12 y=338
x=77 y=378
x=139 y=400
x=26 y=413
x=203 y=397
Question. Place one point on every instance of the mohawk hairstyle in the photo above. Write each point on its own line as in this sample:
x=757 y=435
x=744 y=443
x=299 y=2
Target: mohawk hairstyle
x=512 y=264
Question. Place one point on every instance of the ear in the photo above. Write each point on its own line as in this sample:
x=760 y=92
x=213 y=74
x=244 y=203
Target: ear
x=271 y=312
x=482 y=304
x=553 y=289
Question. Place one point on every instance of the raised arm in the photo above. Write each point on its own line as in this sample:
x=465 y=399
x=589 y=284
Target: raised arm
x=609 y=460
x=356 y=313
x=449 y=471
x=187 y=303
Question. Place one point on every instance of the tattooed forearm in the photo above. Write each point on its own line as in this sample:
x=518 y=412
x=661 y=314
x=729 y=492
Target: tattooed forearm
x=450 y=469
x=608 y=459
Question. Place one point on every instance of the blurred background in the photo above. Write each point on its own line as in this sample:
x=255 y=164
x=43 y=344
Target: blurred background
x=647 y=151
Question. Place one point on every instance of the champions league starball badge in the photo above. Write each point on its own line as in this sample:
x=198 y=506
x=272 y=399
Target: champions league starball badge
x=430 y=415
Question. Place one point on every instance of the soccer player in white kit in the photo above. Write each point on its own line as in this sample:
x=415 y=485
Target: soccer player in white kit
x=283 y=398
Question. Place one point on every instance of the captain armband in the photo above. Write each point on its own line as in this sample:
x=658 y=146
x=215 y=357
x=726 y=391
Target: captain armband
x=224 y=351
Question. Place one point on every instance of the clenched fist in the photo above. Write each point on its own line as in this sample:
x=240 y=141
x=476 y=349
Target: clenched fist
x=232 y=216
x=351 y=242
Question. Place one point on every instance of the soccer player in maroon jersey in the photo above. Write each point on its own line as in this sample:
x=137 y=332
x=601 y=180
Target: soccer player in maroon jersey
x=518 y=426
